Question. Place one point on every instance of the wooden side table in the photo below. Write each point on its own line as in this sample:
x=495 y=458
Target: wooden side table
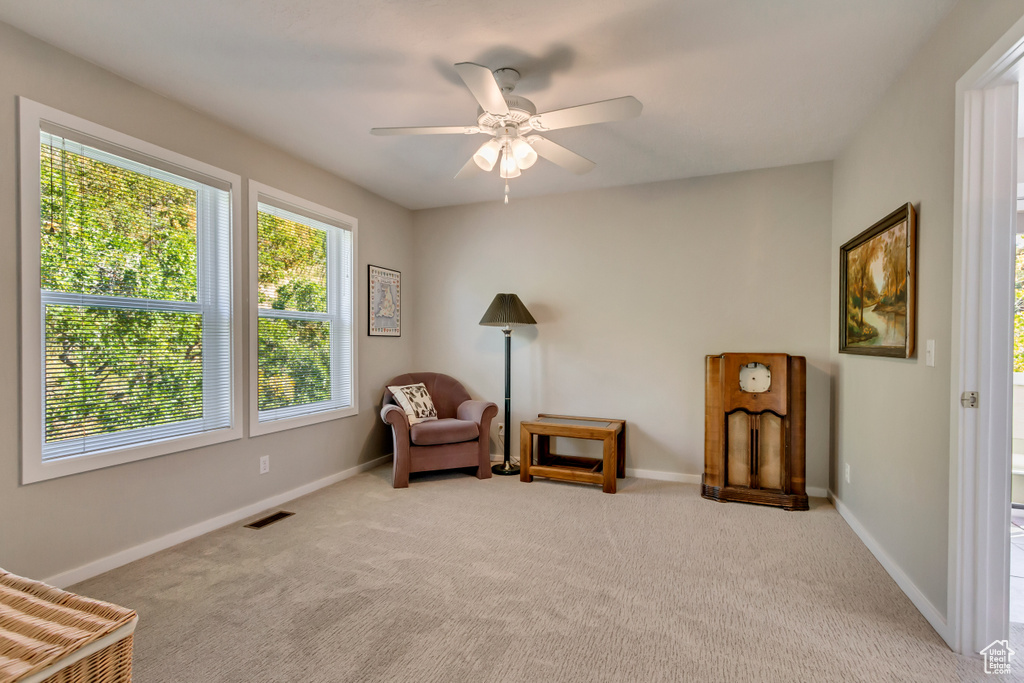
x=602 y=471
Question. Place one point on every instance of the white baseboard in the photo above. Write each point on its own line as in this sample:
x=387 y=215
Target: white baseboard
x=105 y=564
x=660 y=475
x=923 y=604
x=813 y=491
x=663 y=476
x=641 y=474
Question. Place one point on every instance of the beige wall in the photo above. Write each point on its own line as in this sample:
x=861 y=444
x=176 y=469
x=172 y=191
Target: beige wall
x=891 y=417
x=54 y=526
x=631 y=288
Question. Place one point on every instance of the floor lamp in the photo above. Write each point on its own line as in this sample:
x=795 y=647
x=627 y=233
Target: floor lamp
x=505 y=312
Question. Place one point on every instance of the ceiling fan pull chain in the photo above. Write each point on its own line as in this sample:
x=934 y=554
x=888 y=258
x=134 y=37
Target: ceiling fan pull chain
x=506 y=192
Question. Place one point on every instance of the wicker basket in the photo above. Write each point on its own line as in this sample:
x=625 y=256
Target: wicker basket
x=50 y=635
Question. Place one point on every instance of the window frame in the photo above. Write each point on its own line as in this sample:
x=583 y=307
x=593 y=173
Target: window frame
x=33 y=118
x=294 y=416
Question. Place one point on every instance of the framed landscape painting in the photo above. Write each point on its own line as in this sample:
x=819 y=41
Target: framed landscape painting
x=385 y=293
x=878 y=288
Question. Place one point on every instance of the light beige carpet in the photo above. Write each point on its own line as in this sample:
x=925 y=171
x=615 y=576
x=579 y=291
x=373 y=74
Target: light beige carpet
x=457 y=579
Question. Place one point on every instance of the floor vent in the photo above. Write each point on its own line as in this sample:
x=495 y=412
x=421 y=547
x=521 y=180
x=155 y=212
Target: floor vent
x=270 y=519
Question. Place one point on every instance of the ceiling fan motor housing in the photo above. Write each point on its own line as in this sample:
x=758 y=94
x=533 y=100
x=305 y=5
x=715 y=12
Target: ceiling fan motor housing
x=520 y=110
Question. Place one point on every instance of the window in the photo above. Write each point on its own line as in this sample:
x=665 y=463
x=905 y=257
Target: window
x=303 y=295
x=127 y=343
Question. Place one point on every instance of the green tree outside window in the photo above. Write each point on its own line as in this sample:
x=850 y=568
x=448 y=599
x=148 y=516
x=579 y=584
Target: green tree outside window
x=294 y=355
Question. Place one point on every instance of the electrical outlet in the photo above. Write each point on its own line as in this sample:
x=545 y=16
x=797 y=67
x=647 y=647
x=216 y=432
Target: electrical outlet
x=929 y=353
x=265 y=464
x=501 y=429
x=847 y=472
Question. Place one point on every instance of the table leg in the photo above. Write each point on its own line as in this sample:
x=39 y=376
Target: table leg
x=543 y=449
x=610 y=467
x=620 y=448
x=525 y=454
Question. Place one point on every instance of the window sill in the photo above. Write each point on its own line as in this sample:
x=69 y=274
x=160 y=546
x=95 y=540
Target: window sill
x=35 y=470
x=257 y=428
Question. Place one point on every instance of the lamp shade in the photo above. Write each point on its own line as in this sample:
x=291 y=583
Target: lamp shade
x=509 y=168
x=505 y=311
x=524 y=154
x=487 y=155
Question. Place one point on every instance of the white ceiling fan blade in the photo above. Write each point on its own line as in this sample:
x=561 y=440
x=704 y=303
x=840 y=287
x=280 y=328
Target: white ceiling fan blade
x=427 y=130
x=469 y=170
x=557 y=154
x=481 y=83
x=596 y=112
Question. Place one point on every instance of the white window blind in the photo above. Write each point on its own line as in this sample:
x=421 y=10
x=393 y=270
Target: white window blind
x=304 y=300
x=129 y=271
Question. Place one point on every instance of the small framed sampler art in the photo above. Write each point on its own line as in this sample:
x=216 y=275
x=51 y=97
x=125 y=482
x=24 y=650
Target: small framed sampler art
x=878 y=288
x=385 y=307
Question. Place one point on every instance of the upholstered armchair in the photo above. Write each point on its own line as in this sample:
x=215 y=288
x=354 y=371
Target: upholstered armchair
x=459 y=437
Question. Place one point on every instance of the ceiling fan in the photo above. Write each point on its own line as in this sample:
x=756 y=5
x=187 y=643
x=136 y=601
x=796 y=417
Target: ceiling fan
x=509 y=120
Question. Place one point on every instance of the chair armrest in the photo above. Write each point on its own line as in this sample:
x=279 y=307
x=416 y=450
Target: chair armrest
x=395 y=416
x=476 y=411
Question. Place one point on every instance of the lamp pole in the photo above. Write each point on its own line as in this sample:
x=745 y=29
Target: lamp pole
x=506 y=467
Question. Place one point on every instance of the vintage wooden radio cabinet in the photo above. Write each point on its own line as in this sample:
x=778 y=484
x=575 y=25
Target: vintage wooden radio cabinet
x=754 y=429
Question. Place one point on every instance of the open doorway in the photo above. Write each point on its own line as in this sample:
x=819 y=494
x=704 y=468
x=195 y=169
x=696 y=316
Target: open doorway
x=1017 y=442
x=985 y=218
x=1017 y=449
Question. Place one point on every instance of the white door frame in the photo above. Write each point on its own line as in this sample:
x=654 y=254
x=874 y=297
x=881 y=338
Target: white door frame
x=984 y=224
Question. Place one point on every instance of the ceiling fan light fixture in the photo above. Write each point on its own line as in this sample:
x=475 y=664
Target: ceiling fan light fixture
x=487 y=155
x=509 y=167
x=524 y=153
x=507 y=118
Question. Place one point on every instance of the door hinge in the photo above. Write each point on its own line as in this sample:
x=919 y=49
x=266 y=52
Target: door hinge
x=969 y=399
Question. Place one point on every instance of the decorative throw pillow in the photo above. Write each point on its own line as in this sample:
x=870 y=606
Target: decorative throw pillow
x=415 y=401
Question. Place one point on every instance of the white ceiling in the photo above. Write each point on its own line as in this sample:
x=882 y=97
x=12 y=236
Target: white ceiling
x=727 y=85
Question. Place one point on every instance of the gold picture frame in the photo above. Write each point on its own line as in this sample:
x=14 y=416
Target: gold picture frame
x=878 y=288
